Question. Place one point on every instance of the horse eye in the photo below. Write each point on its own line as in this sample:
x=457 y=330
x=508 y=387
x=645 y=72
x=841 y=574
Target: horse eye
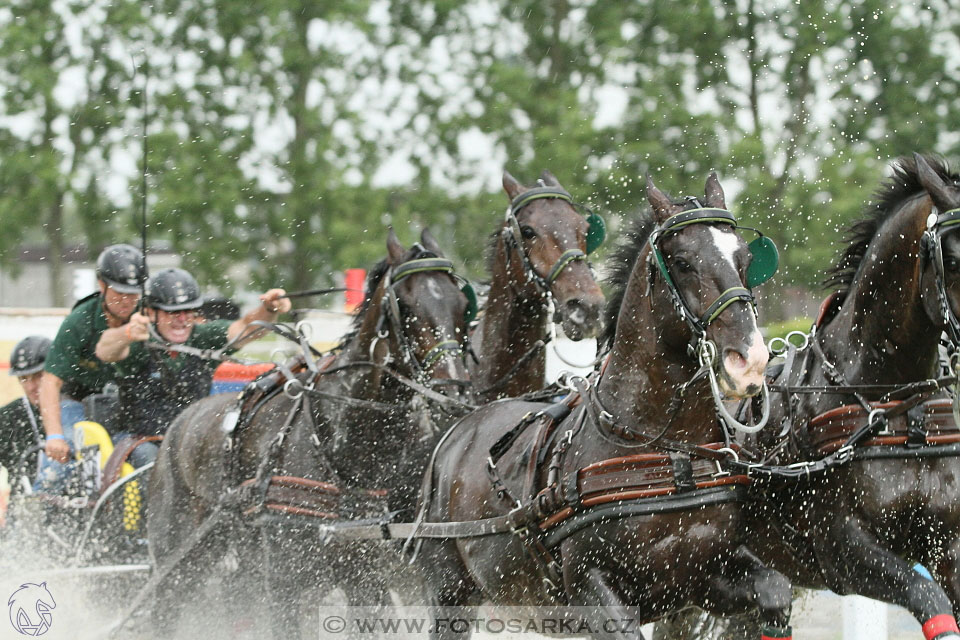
x=528 y=232
x=952 y=264
x=682 y=265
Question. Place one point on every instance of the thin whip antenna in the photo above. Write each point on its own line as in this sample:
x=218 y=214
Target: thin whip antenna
x=143 y=181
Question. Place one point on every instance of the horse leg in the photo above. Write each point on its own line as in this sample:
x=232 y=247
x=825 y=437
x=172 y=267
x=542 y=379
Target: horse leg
x=447 y=588
x=745 y=584
x=280 y=584
x=948 y=570
x=854 y=561
x=593 y=588
x=181 y=586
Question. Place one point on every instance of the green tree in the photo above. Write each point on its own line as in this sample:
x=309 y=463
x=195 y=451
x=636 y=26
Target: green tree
x=63 y=120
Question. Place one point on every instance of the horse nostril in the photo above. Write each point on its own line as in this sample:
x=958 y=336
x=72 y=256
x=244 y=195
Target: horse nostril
x=581 y=313
x=735 y=359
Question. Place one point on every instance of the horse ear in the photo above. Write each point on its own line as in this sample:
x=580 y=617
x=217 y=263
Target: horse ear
x=935 y=185
x=429 y=242
x=659 y=202
x=549 y=179
x=510 y=185
x=714 y=192
x=395 y=250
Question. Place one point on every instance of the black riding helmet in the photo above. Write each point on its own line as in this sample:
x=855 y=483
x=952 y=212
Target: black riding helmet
x=29 y=355
x=173 y=290
x=121 y=267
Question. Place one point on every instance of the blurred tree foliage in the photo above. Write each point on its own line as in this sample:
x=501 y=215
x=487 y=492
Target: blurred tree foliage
x=63 y=120
x=285 y=135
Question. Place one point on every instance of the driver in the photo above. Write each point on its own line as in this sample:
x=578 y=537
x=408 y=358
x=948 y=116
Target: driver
x=156 y=384
x=72 y=370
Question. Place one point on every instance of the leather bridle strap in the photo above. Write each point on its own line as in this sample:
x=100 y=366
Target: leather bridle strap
x=726 y=298
x=698 y=326
x=392 y=313
x=562 y=262
x=937 y=225
x=696 y=216
x=420 y=265
x=514 y=234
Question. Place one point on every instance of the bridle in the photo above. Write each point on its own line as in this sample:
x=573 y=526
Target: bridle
x=705 y=349
x=425 y=262
x=938 y=224
x=931 y=250
x=513 y=237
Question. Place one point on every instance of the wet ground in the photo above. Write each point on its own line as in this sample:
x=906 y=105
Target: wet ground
x=78 y=615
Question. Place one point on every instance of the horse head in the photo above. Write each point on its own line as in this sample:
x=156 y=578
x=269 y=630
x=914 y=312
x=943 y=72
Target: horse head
x=704 y=262
x=547 y=241
x=940 y=249
x=424 y=309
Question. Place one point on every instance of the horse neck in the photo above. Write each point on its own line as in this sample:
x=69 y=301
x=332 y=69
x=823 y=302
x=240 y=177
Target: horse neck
x=649 y=361
x=882 y=333
x=511 y=324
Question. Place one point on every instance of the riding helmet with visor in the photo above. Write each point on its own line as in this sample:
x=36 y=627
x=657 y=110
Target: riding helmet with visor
x=29 y=355
x=121 y=267
x=173 y=290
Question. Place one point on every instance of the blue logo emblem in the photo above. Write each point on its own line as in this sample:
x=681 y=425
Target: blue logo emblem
x=30 y=607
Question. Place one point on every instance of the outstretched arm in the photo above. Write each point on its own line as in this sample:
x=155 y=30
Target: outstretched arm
x=272 y=305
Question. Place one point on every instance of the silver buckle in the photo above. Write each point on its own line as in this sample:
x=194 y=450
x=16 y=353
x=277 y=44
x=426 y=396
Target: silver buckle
x=845 y=453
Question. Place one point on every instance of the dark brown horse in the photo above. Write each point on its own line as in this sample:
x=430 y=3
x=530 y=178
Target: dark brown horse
x=353 y=430
x=862 y=527
x=537 y=255
x=683 y=256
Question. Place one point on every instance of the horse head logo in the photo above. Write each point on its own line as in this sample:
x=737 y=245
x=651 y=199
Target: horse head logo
x=30 y=607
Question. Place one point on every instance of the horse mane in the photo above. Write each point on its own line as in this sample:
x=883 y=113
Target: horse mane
x=490 y=251
x=619 y=267
x=902 y=185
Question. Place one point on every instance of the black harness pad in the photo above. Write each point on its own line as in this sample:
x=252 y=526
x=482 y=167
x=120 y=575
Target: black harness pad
x=682 y=472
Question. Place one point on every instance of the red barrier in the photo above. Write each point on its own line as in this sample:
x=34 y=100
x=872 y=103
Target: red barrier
x=233 y=372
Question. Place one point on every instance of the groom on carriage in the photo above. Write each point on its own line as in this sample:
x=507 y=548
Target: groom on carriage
x=72 y=371
x=165 y=356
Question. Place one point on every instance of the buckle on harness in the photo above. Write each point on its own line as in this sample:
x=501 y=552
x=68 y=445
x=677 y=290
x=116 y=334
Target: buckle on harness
x=875 y=417
x=844 y=453
x=721 y=473
x=519 y=530
x=803 y=466
x=758 y=470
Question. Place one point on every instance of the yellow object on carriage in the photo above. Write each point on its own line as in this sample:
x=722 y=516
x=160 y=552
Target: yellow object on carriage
x=90 y=435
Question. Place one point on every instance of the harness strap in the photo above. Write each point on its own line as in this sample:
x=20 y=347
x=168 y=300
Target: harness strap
x=538 y=193
x=726 y=298
x=421 y=265
x=562 y=262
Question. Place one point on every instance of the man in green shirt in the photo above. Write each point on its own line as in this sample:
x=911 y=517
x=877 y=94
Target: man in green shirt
x=20 y=425
x=157 y=383
x=72 y=371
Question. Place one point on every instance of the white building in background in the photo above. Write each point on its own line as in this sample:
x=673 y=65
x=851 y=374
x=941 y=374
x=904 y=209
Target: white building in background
x=28 y=285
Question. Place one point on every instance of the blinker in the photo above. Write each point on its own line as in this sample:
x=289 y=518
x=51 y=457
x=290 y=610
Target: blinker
x=596 y=232
x=765 y=261
x=470 y=313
